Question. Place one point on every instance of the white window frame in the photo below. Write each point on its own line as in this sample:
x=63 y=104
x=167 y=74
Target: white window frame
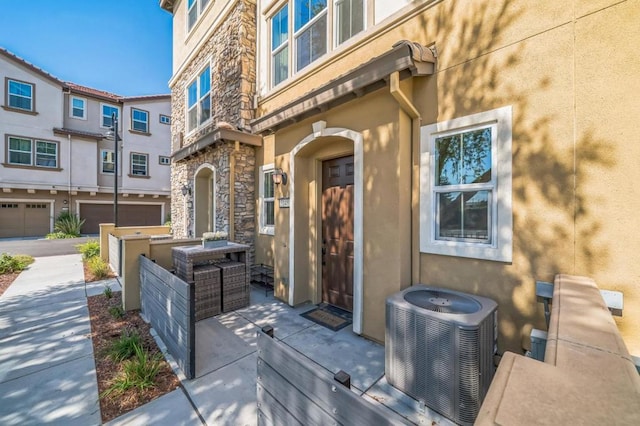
x=263 y=227
x=146 y=164
x=9 y=151
x=31 y=98
x=284 y=45
x=334 y=20
x=102 y=116
x=165 y=119
x=84 y=107
x=198 y=6
x=36 y=154
x=296 y=34
x=500 y=247
x=164 y=160
x=102 y=162
x=33 y=152
x=133 y=120
x=199 y=98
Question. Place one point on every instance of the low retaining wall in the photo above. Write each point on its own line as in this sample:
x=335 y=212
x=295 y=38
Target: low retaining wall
x=168 y=304
x=293 y=390
x=587 y=377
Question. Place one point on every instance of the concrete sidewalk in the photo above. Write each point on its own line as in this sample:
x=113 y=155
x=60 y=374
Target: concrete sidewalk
x=47 y=371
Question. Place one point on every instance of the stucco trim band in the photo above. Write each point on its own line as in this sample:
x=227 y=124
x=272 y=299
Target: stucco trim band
x=408 y=58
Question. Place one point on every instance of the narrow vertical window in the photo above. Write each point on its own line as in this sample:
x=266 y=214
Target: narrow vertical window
x=349 y=19
x=280 y=45
x=77 y=107
x=192 y=13
x=267 y=200
x=107 y=112
x=199 y=100
x=108 y=163
x=311 y=31
x=205 y=95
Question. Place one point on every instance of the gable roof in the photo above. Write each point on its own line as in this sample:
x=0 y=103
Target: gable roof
x=22 y=62
x=89 y=91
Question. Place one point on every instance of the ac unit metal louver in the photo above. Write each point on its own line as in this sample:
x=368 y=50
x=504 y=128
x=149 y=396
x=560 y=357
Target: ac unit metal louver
x=439 y=348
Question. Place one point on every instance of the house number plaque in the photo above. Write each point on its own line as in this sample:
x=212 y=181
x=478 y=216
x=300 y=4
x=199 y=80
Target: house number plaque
x=284 y=203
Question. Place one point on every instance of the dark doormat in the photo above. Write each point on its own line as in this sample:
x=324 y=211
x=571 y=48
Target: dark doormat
x=329 y=316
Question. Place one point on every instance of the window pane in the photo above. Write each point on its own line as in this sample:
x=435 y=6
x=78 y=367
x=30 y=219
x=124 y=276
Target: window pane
x=280 y=65
x=205 y=109
x=20 y=89
x=77 y=108
x=193 y=15
x=464 y=215
x=448 y=159
x=107 y=112
x=193 y=94
x=193 y=118
x=312 y=43
x=349 y=18
x=268 y=185
x=20 y=144
x=138 y=164
x=205 y=81
x=476 y=164
x=46 y=154
x=107 y=162
x=19 y=102
x=305 y=10
x=280 y=27
x=269 y=213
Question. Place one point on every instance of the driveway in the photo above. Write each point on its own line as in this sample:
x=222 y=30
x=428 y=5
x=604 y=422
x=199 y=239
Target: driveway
x=41 y=247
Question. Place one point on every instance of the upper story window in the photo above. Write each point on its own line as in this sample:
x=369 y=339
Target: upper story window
x=139 y=120
x=31 y=152
x=165 y=119
x=466 y=187
x=107 y=113
x=139 y=164
x=194 y=9
x=164 y=160
x=107 y=161
x=77 y=107
x=316 y=27
x=20 y=95
x=267 y=200
x=199 y=100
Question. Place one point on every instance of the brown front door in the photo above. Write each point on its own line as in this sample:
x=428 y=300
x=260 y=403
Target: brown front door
x=337 y=232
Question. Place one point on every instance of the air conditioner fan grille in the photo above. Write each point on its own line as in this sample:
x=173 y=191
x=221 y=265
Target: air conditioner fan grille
x=439 y=301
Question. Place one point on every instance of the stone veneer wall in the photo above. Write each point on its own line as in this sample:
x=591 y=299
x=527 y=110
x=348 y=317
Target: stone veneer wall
x=231 y=53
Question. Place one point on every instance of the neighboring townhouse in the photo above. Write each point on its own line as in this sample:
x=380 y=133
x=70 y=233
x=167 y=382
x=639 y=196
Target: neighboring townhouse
x=477 y=146
x=57 y=156
x=212 y=88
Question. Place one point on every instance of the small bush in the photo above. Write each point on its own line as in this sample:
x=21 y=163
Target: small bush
x=98 y=267
x=59 y=236
x=108 y=292
x=69 y=224
x=125 y=346
x=116 y=312
x=139 y=372
x=17 y=263
x=89 y=249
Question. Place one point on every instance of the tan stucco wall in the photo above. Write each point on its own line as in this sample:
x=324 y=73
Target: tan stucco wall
x=569 y=71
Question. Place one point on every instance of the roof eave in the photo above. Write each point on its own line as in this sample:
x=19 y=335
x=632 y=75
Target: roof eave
x=214 y=137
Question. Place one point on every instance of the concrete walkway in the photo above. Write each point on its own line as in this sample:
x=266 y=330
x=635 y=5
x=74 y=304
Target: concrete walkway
x=47 y=371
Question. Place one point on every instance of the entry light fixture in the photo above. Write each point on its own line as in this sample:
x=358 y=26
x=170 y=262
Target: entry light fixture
x=186 y=189
x=279 y=177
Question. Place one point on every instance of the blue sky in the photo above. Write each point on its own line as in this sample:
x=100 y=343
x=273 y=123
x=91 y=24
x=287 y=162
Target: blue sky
x=121 y=46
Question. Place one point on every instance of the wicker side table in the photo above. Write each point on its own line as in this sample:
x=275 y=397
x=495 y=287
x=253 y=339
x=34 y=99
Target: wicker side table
x=207 y=291
x=235 y=285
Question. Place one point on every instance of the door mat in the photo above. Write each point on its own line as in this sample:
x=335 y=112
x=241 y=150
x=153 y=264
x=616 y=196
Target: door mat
x=329 y=316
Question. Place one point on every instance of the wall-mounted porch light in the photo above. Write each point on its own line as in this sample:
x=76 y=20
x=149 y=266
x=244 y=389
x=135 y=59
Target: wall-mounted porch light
x=279 y=177
x=186 y=189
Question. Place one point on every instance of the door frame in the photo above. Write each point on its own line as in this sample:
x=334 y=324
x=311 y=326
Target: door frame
x=321 y=132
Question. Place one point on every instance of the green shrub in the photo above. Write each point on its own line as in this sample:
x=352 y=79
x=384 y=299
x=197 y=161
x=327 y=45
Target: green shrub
x=17 y=263
x=116 y=311
x=108 y=292
x=59 y=236
x=139 y=372
x=69 y=224
x=98 y=267
x=89 y=249
x=125 y=346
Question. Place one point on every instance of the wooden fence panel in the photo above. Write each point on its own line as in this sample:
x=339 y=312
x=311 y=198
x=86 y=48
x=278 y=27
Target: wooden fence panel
x=291 y=386
x=168 y=304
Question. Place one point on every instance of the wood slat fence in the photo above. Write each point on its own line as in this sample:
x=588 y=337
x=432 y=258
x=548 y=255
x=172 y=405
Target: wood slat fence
x=168 y=303
x=293 y=390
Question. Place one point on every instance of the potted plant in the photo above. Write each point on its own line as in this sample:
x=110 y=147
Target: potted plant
x=214 y=239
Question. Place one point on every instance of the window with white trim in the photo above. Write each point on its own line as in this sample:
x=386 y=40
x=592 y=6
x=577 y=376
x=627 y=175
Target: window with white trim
x=267 y=200
x=165 y=119
x=139 y=164
x=465 y=187
x=317 y=29
x=20 y=95
x=194 y=10
x=77 y=107
x=199 y=100
x=139 y=120
x=107 y=113
x=107 y=161
x=31 y=152
x=164 y=160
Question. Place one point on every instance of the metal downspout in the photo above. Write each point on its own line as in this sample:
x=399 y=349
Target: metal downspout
x=407 y=106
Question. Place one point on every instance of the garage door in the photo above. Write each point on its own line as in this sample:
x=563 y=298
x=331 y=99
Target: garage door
x=128 y=215
x=24 y=219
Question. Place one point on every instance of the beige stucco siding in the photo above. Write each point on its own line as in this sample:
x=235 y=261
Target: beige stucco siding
x=569 y=71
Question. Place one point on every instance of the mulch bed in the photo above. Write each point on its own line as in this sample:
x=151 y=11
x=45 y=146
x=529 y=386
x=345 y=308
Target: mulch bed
x=89 y=277
x=104 y=330
x=6 y=280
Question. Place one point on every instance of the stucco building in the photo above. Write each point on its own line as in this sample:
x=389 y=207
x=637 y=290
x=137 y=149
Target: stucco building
x=56 y=156
x=477 y=146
